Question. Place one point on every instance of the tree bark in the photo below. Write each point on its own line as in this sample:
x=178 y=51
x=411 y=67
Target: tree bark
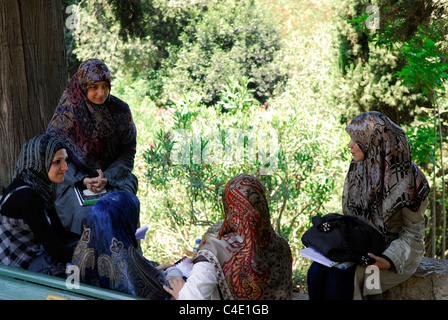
x=33 y=73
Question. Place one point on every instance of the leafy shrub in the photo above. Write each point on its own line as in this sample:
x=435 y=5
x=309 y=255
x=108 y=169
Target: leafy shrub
x=187 y=46
x=98 y=36
x=366 y=69
x=229 y=38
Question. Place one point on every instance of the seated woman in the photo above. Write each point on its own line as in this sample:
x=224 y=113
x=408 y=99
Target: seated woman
x=31 y=234
x=107 y=254
x=99 y=133
x=248 y=260
x=387 y=190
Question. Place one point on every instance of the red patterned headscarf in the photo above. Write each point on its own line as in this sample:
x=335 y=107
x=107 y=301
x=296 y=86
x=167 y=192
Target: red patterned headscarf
x=386 y=180
x=252 y=261
x=93 y=134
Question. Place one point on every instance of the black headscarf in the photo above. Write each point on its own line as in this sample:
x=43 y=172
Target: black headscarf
x=33 y=165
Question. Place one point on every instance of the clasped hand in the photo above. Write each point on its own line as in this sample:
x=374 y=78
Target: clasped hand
x=96 y=184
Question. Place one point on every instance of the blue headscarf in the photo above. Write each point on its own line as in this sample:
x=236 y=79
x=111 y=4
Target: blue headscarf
x=107 y=252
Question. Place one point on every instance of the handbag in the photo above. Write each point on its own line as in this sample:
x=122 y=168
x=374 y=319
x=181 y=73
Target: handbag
x=344 y=238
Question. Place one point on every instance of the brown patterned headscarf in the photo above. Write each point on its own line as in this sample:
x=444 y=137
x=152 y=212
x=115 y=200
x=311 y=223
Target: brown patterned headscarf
x=252 y=261
x=386 y=180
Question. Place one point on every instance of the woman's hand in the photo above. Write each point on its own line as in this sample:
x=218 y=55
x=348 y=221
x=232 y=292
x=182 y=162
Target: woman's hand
x=381 y=263
x=97 y=184
x=177 y=283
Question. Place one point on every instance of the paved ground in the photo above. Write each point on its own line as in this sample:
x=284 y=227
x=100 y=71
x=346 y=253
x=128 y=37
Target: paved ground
x=299 y=296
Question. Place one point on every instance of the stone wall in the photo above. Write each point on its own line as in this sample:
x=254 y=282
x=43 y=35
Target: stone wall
x=430 y=282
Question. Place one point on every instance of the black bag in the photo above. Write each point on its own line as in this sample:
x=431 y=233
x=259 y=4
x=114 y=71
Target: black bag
x=344 y=238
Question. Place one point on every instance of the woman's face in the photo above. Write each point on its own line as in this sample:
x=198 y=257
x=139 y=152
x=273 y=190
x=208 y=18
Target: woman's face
x=98 y=92
x=356 y=152
x=58 y=166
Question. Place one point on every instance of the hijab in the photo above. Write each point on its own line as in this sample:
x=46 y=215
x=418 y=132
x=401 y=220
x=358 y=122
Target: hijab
x=107 y=251
x=33 y=165
x=92 y=133
x=251 y=260
x=386 y=181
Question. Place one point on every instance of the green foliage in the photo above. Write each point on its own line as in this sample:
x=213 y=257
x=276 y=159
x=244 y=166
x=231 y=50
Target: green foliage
x=424 y=60
x=99 y=36
x=229 y=38
x=181 y=47
x=425 y=70
x=130 y=16
x=423 y=140
x=369 y=61
x=236 y=94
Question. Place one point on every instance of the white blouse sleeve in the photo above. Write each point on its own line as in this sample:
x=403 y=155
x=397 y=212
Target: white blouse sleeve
x=202 y=283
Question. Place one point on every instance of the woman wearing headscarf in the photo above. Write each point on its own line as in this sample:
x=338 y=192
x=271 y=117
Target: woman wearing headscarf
x=107 y=254
x=100 y=136
x=248 y=260
x=384 y=188
x=31 y=234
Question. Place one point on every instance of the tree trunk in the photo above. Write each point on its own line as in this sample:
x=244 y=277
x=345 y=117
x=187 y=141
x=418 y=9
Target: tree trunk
x=33 y=73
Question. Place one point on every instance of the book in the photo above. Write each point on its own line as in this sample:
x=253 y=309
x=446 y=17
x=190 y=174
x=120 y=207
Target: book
x=314 y=255
x=87 y=197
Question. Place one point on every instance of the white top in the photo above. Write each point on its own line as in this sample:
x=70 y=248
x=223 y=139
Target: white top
x=202 y=283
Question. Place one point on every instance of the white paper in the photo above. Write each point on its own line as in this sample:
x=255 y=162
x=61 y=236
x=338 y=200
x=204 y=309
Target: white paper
x=314 y=255
x=140 y=234
x=185 y=265
x=89 y=193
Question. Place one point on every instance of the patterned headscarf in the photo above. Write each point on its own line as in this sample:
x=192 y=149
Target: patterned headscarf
x=107 y=253
x=92 y=133
x=34 y=163
x=386 y=180
x=252 y=261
